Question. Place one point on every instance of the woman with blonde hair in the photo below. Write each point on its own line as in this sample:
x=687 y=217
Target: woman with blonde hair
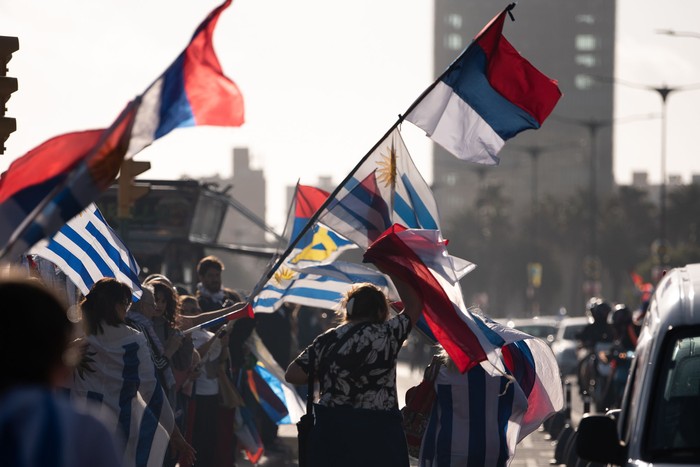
x=357 y=416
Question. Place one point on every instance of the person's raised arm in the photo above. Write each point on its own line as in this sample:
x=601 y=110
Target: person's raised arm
x=412 y=301
x=192 y=321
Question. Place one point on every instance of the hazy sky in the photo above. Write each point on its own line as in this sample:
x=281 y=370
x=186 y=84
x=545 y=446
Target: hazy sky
x=322 y=80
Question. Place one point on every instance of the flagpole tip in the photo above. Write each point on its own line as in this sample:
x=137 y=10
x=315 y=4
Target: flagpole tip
x=509 y=10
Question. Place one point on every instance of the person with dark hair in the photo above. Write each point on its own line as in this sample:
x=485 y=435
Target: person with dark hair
x=210 y=292
x=212 y=295
x=177 y=347
x=207 y=413
x=357 y=416
x=117 y=372
x=140 y=316
x=39 y=426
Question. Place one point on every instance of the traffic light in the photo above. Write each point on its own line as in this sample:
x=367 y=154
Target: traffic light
x=128 y=193
x=8 y=45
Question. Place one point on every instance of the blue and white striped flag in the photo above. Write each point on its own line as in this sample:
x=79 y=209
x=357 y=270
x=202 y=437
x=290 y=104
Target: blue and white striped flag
x=321 y=286
x=385 y=189
x=86 y=249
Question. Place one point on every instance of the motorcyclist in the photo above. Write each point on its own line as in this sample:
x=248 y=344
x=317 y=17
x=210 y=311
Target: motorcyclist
x=595 y=338
x=624 y=328
x=599 y=330
x=619 y=357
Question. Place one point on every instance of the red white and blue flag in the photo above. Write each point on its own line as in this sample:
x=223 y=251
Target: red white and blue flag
x=420 y=258
x=487 y=96
x=482 y=415
x=193 y=91
x=53 y=182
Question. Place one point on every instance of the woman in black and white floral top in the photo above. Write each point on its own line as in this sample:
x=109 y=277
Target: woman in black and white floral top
x=357 y=415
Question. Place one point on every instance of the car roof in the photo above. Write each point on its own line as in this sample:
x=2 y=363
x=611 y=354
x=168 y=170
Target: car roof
x=530 y=321
x=574 y=320
x=676 y=300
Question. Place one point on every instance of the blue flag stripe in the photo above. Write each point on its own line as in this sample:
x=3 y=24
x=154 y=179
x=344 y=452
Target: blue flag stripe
x=113 y=253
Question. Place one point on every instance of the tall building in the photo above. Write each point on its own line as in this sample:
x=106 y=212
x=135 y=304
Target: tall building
x=247 y=187
x=571 y=41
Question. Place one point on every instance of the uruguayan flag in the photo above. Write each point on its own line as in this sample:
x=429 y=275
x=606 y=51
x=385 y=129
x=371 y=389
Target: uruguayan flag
x=86 y=249
x=321 y=286
x=386 y=188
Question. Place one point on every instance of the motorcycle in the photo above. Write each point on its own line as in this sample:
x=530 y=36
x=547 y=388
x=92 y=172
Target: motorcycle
x=619 y=362
x=594 y=372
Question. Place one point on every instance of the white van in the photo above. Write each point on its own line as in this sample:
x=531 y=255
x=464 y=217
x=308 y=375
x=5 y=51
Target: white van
x=659 y=421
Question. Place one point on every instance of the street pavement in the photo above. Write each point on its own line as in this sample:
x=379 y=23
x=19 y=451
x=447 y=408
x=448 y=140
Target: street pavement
x=535 y=450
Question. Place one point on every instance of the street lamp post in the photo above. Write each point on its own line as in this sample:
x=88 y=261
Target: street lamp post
x=535 y=152
x=593 y=126
x=664 y=92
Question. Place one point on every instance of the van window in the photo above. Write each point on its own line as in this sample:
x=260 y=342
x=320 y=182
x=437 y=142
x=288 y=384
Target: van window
x=674 y=427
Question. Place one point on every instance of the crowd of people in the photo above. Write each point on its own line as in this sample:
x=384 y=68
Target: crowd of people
x=148 y=385
x=155 y=387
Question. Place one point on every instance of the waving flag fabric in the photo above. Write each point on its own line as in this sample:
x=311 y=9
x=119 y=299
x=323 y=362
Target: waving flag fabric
x=321 y=287
x=138 y=408
x=535 y=368
x=487 y=96
x=273 y=375
x=420 y=258
x=385 y=189
x=318 y=244
x=192 y=91
x=53 y=182
x=471 y=421
x=502 y=408
x=86 y=249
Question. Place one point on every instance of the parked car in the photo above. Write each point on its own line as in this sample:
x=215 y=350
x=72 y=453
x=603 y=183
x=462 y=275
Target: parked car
x=658 y=422
x=566 y=344
x=544 y=328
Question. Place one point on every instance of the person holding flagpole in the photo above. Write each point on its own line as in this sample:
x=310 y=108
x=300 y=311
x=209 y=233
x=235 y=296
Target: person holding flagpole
x=357 y=415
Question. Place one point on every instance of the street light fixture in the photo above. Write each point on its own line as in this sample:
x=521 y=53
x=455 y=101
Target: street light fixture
x=664 y=92
x=672 y=32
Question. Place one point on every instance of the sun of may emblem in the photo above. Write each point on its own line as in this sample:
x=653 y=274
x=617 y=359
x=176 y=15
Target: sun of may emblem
x=284 y=274
x=387 y=167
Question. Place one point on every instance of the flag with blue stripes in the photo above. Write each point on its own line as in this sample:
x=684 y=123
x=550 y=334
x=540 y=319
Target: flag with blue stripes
x=480 y=416
x=86 y=249
x=385 y=189
x=320 y=286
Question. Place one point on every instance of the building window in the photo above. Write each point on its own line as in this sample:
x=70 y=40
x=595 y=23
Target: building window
x=450 y=180
x=585 y=19
x=453 y=42
x=583 y=82
x=586 y=42
x=587 y=60
x=454 y=20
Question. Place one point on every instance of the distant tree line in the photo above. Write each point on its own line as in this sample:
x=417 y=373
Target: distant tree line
x=559 y=235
